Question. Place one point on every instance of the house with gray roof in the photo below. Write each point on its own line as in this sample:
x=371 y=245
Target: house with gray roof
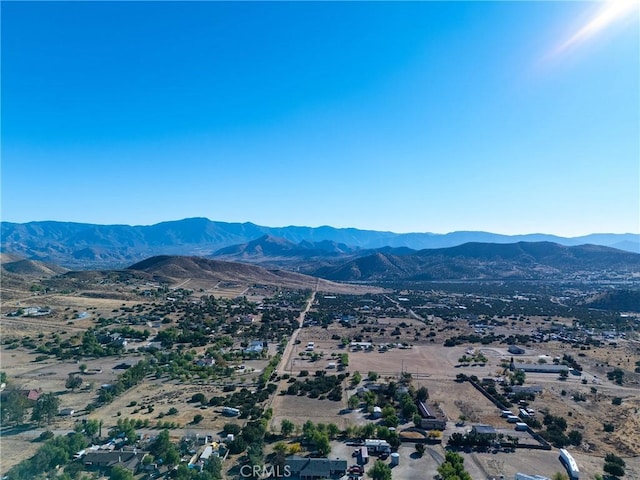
x=129 y=459
x=540 y=368
x=484 y=430
x=315 y=468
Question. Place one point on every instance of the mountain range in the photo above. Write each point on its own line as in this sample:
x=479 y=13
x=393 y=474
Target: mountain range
x=85 y=246
x=468 y=262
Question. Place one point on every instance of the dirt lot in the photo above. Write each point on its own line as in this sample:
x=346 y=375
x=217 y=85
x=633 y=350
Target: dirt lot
x=299 y=409
x=540 y=462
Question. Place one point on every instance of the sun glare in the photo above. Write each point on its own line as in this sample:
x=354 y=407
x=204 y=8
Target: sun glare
x=610 y=12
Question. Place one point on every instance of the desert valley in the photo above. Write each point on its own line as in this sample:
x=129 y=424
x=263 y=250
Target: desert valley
x=388 y=362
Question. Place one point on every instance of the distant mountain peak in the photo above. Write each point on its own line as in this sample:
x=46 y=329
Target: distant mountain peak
x=81 y=245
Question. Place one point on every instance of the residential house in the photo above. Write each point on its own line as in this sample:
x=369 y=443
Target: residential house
x=129 y=459
x=315 y=468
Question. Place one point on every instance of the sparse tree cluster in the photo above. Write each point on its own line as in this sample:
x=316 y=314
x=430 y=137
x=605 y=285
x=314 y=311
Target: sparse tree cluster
x=453 y=468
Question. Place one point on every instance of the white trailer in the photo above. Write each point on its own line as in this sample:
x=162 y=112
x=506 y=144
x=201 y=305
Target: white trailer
x=375 y=445
x=570 y=464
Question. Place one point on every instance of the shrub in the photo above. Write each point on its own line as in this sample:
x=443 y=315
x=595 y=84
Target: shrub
x=46 y=435
x=575 y=437
x=231 y=428
x=198 y=398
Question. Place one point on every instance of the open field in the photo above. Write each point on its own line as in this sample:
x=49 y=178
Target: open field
x=300 y=409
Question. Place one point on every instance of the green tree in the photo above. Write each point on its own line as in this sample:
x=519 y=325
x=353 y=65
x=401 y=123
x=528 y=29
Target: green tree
x=417 y=420
x=238 y=445
x=254 y=432
x=287 y=427
x=575 y=437
x=356 y=378
x=369 y=398
x=231 y=428
x=407 y=406
x=308 y=429
x=255 y=455
x=420 y=448
x=613 y=458
x=380 y=471
x=125 y=427
x=120 y=473
x=372 y=376
x=13 y=407
x=389 y=416
x=162 y=448
x=321 y=443
x=73 y=382
x=45 y=408
x=422 y=394
x=353 y=402
x=453 y=467
x=614 y=469
x=91 y=428
x=368 y=430
x=332 y=430
x=518 y=377
x=614 y=465
x=213 y=468
x=280 y=448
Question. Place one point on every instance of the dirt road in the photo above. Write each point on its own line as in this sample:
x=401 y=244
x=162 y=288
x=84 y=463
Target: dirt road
x=288 y=351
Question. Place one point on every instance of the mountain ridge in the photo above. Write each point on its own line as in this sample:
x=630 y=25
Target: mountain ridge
x=488 y=261
x=83 y=245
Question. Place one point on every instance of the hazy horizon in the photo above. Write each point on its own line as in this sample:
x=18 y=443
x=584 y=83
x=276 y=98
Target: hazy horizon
x=409 y=117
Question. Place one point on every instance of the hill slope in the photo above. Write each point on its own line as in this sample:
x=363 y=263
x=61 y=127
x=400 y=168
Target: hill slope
x=522 y=260
x=32 y=268
x=179 y=267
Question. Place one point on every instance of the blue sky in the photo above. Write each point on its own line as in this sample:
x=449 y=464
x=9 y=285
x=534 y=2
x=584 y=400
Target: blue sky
x=417 y=116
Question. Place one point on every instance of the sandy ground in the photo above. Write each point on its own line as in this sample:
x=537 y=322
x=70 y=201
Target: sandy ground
x=300 y=409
